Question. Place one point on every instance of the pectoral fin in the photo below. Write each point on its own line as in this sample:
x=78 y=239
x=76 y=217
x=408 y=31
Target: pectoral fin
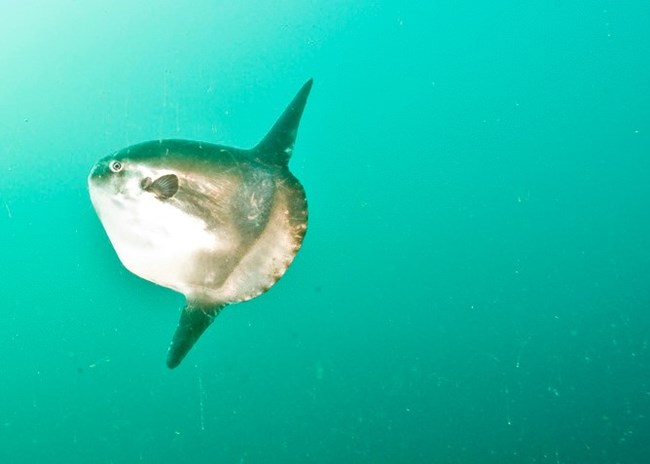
x=164 y=187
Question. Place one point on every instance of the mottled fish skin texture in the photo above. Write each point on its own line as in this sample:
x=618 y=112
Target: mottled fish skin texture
x=218 y=224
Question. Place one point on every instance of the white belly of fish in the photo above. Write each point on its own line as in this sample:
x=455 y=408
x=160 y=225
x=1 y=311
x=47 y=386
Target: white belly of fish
x=154 y=239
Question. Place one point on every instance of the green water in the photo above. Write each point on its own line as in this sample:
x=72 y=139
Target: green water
x=474 y=286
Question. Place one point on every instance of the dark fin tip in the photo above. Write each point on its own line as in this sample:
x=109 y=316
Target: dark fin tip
x=193 y=322
x=276 y=147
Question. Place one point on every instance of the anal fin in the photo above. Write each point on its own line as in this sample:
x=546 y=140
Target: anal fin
x=193 y=322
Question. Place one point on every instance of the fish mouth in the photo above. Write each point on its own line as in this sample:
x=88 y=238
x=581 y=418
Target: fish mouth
x=98 y=171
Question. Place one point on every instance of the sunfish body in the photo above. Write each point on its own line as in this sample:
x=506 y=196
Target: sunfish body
x=218 y=224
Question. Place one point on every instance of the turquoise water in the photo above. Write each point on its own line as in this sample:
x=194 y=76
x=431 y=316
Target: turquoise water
x=474 y=286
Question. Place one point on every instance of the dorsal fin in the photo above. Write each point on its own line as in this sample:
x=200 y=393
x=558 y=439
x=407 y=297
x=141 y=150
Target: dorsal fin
x=195 y=318
x=276 y=147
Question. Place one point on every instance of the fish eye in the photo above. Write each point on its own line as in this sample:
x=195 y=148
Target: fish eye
x=116 y=166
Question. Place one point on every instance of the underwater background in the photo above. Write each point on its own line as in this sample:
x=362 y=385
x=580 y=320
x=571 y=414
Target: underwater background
x=474 y=286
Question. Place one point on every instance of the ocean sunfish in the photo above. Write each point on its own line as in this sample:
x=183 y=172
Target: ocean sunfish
x=218 y=224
